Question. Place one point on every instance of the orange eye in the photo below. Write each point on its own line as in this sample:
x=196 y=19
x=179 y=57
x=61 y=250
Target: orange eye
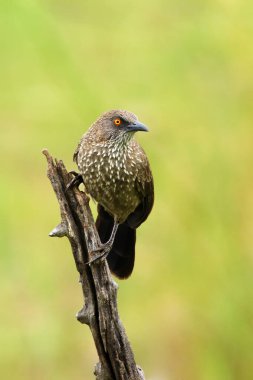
x=117 y=121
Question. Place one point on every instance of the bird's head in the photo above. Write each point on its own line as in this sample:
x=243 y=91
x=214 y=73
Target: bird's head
x=117 y=124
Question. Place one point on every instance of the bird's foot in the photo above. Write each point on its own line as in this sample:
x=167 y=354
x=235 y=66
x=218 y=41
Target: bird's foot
x=100 y=252
x=104 y=248
x=76 y=181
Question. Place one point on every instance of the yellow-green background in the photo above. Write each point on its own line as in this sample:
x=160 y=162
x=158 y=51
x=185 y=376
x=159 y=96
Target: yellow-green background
x=186 y=69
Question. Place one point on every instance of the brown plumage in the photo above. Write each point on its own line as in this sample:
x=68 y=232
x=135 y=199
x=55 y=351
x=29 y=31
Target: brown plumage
x=116 y=173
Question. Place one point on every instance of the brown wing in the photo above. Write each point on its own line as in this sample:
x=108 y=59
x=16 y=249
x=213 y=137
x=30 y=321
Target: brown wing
x=145 y=188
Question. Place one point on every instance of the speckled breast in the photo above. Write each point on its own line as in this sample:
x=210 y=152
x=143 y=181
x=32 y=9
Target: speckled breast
x=109 y=177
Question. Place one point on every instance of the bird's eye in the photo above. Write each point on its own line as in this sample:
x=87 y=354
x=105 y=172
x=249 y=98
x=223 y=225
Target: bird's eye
x=117 y=121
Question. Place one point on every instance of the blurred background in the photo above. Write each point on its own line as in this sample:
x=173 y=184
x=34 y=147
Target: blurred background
x=186 y=69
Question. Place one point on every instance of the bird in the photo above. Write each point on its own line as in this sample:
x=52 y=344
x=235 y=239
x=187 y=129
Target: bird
x=116 y=174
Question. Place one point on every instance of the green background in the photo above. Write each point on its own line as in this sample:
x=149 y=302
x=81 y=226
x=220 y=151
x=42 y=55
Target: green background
x=185 y=68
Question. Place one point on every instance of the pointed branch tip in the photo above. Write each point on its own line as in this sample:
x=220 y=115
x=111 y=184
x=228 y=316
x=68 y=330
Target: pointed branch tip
x=59 y=231
x=82 y=316
x=45 y=152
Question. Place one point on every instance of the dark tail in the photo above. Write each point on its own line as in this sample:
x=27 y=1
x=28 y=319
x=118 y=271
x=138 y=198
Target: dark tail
x=121 y=257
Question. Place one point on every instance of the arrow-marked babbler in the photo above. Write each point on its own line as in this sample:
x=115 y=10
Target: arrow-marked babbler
x=116 y=174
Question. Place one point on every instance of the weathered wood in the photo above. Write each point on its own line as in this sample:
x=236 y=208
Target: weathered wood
x=116 y=359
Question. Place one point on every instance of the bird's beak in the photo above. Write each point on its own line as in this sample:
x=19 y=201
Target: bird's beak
x=137 y=126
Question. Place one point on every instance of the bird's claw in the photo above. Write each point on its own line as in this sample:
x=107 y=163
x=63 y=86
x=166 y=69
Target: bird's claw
x=76 y=181
x=104 y=249
x=75 y=174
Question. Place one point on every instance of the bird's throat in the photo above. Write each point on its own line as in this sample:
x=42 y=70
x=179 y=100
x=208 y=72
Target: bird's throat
x=121 y=141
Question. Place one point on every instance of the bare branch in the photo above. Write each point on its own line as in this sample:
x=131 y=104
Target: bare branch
x=116 y=359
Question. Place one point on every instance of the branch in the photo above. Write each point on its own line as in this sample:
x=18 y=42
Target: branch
x=116 y=359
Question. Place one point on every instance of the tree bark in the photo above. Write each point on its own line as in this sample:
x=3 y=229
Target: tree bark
x=100 y=313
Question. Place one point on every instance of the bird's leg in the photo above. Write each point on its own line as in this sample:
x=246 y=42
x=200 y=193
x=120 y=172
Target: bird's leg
x=105 y=248
x=76 y=181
